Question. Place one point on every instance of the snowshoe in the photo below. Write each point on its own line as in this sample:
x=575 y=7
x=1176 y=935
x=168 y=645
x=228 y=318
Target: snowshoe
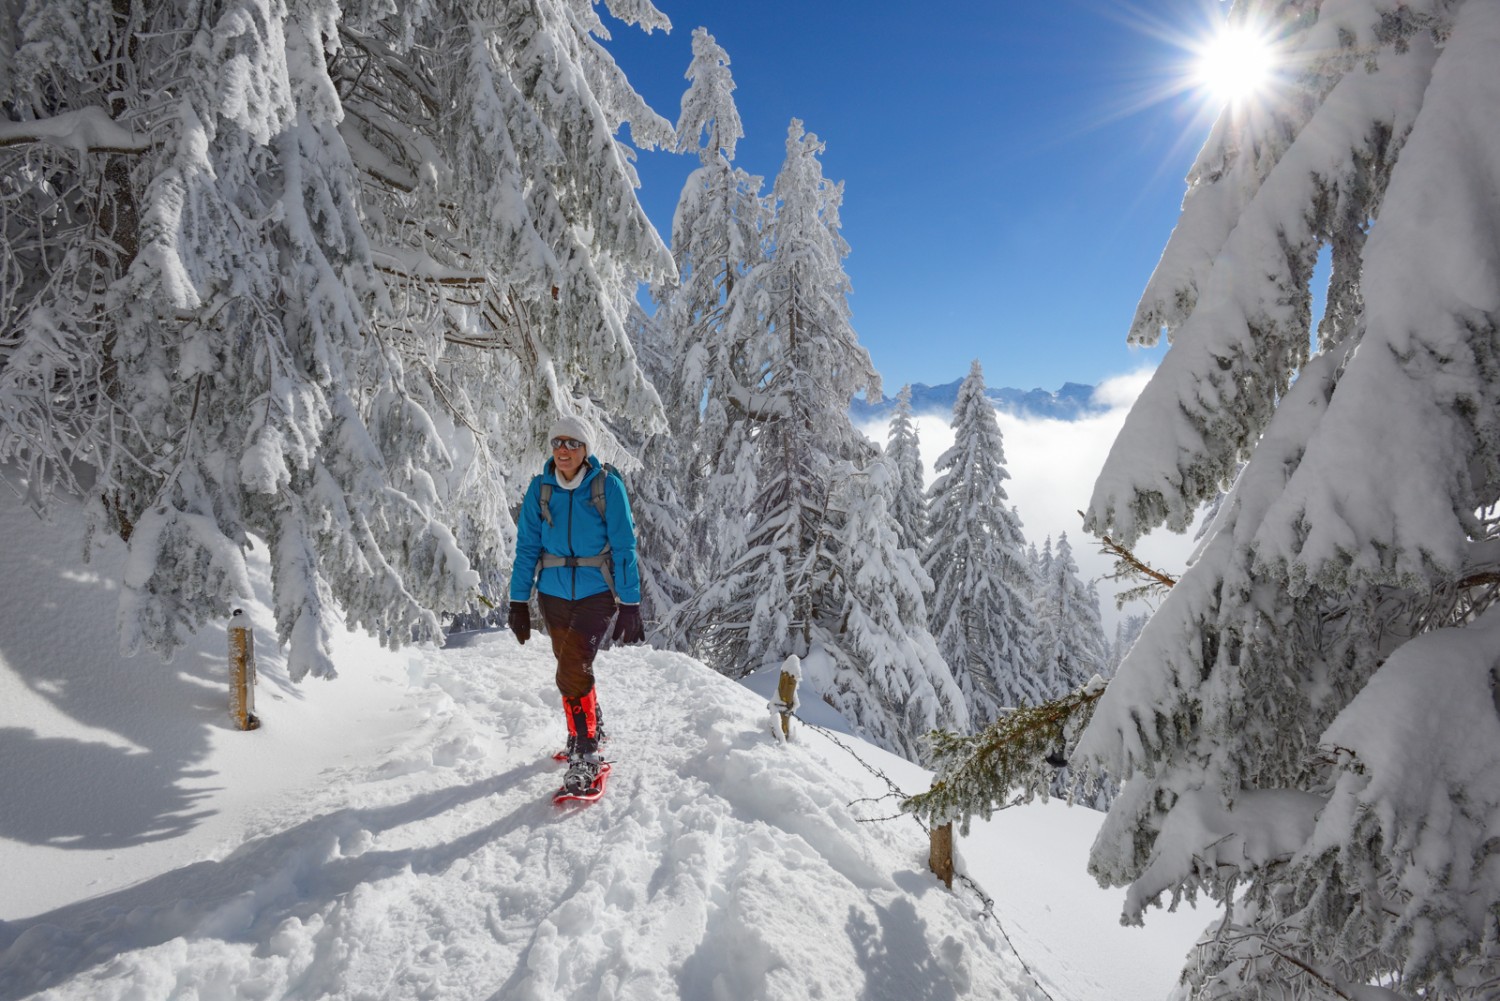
x=584 y=783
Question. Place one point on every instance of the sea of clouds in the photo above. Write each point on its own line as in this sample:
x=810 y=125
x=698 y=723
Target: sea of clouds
x=1052 y=466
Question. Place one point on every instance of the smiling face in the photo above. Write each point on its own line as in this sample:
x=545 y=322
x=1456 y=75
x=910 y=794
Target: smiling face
x=568 y=460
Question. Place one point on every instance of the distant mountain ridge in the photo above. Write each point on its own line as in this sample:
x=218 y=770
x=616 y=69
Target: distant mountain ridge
x=1072 y=401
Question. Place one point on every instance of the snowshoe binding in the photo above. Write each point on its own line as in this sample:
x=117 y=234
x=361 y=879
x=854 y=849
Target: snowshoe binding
x=585 y=781
x=566 y=754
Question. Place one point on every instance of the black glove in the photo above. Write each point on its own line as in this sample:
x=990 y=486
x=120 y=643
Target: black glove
x=628 y=628
x=520 y=620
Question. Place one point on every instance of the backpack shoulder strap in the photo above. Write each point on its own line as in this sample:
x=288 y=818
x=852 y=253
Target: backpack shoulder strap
x=544 y=496
x=596 y=489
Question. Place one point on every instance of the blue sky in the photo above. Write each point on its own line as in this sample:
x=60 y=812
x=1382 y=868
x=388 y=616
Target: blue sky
x=1011 y=171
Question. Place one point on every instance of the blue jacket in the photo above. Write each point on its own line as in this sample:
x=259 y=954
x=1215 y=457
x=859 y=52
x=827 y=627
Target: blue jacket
x=576 y=530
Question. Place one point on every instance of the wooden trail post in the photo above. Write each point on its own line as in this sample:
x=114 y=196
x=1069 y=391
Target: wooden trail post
x=242 y=672
x=786 y=692
x=940 y=855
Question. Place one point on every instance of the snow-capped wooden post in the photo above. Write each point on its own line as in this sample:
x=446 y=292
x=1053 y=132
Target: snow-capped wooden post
x=786 y=698
x=786 y=691
x=242 y=672
x=940 y=855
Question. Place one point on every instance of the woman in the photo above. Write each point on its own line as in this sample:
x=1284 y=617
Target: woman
x=576 y=540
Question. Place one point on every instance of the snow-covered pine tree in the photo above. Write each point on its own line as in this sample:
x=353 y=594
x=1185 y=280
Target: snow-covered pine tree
x=909 y=504
x=1307 y=726
x=1070 y=643
x=1071 y=647
x=977 y=559
x=709 y=123
x=253 y=265
x=716 y=239
x=883 y=671
x=1044 y=626
x=790 y=317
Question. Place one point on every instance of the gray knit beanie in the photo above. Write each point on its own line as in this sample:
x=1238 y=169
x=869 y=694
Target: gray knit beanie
x=568 y=427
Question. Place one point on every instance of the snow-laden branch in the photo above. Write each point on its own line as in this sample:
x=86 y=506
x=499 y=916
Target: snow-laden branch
x=87 y=130
x=976 y=774
x=756 y=406
x=419 y=266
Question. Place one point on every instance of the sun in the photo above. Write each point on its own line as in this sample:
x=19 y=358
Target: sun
x=1236 y=64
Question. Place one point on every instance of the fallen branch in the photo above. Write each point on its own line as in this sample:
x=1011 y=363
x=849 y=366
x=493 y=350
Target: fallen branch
x=1133 y=564
x=975 y=774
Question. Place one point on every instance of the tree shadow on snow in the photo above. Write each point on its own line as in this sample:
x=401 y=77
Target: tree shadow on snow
x=112 y=780
x=296 y=873
x=72 y=794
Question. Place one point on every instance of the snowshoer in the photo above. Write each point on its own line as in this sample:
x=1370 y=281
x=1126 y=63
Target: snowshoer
x=576 y=541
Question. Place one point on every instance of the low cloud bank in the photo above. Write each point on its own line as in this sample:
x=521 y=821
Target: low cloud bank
x=1052 y=466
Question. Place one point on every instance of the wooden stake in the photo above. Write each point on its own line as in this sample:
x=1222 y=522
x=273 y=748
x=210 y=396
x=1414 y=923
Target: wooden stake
x=786 y=691
x=242 y=672
x=940 y=856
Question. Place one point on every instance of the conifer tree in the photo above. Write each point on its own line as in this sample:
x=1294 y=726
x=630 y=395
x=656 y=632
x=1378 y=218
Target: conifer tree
x=1041 y=572
x=716 y=239
x=789 y=316
x=909 y=504
x=977 y=560
x=1306 y=726
x=884 y=672
x=1071 y=647
x=657 y=504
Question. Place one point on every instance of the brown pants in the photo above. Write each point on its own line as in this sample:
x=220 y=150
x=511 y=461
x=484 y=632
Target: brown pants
x=577 y=628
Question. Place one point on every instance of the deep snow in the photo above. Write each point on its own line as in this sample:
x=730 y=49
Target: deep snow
x=390 y=834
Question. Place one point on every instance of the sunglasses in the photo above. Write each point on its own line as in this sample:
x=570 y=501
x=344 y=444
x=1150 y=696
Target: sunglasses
x=571 y=444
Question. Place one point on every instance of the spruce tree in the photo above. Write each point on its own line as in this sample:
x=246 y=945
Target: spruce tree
x=884 y=673
x=716 y=239
x=1126 y=632
x=1071 y=647
x=977 y=559
x=789 y=318
x=657 y=503
x=1307 y=726
x=909 y=505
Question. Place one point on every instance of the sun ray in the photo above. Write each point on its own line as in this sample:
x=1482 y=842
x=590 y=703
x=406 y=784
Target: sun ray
x=1172 y=67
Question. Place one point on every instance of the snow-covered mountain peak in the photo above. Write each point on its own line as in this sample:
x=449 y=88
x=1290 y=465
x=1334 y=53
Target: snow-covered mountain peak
x=1069 y=402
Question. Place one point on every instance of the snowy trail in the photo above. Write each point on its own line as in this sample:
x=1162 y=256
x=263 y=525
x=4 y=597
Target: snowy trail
x=719 y=865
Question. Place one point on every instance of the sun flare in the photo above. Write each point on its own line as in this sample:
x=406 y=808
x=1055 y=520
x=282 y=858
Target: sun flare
x=1236 y=64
